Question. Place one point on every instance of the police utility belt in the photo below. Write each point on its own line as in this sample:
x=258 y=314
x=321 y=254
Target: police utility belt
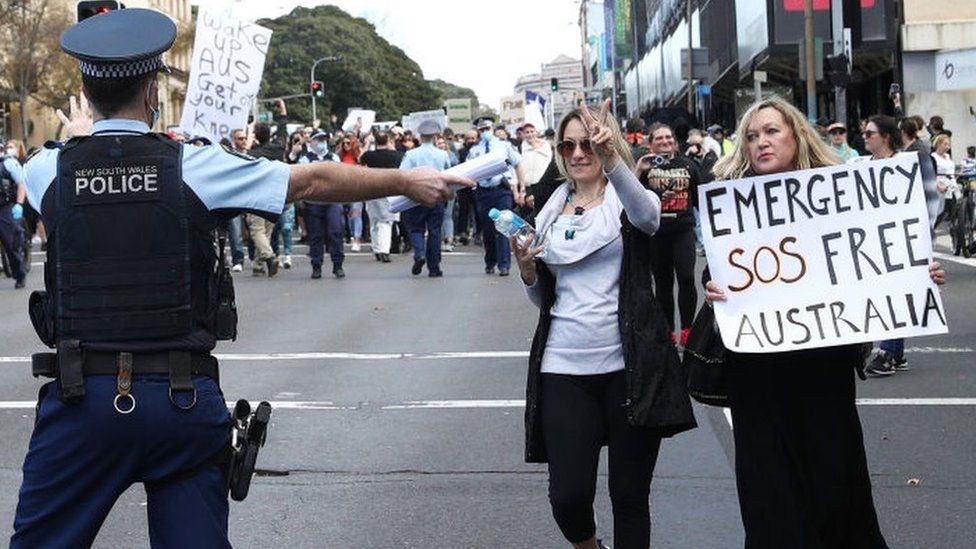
x=71 y=364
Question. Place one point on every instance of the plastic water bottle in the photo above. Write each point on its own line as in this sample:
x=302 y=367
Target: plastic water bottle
x=508 y=223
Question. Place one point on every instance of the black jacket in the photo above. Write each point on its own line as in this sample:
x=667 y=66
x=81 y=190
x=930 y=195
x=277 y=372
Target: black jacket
x=657 y=397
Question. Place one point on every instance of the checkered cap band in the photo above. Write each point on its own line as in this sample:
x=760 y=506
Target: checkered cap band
x=122 y=69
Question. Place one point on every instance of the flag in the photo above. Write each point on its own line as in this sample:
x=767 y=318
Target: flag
x=535 y=108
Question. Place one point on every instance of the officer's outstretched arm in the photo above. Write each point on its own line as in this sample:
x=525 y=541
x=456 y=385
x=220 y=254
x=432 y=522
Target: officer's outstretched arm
x=338 y=182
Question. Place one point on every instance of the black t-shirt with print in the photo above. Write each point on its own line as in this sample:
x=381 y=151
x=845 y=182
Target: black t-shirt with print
x=677 y=182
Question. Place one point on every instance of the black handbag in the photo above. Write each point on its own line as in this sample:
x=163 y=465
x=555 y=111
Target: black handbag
x=704 y=360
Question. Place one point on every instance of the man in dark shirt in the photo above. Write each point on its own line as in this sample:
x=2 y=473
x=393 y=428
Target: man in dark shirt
x=380 y=218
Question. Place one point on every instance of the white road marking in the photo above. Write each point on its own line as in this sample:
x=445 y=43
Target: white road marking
x=514 y=403
x=241 y=357
x=955 y=259
x=455 y=404
x=230 y=357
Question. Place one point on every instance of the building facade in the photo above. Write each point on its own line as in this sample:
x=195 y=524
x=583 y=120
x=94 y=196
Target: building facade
x=568 y=73
x=44 y=125
x=905 y=42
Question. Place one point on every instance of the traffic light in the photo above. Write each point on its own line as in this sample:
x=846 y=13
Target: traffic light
x=88 y=9
x=318 y=89
x=554 y=84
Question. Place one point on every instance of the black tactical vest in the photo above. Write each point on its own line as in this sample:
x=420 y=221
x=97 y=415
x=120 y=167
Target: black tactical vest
x=8 y=189
x=124 y=260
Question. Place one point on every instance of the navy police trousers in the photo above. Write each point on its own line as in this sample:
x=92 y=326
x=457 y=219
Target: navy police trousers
x=83 y=456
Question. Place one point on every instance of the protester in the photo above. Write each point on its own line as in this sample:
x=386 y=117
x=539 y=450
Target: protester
x=936 y=128
x=496 y=192
x=468 y=223
x=838 y=142
x=426 y=219
x=260 y=228
x=447 y=227
x=602 y=370
x=675 y=179
x=635 y=137
x=945 y=173
x=350 y=151
x=380 y=217
x=800 y=464
x=536 y=157
x=717 y=133
x=883 y=139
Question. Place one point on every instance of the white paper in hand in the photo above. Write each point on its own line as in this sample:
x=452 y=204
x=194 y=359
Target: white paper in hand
x=483 y=167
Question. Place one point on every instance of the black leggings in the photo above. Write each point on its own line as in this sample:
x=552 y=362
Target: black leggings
x=581 y=414
x=673 y=254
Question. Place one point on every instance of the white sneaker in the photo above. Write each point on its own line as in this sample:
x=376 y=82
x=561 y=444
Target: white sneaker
x=287 y=262
x=356 y=246
x=237 y=268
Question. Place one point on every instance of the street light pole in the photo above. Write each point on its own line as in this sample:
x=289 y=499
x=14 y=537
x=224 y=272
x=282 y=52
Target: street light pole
x=311 y=78
x=808 y=53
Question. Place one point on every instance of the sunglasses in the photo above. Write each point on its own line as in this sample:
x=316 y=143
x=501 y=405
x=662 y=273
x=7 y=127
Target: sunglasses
x=867 y=134
x=568 y=146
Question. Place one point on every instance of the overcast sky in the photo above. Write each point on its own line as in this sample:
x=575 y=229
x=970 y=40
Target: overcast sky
x=484 y=45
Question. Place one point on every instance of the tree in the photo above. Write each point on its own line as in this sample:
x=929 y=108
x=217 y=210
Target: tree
x=451 y=91
x=372 y=73
x=31 y=62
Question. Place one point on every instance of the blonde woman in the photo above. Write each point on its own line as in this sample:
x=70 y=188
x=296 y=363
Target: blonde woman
x=603 y=369
x=800 y=465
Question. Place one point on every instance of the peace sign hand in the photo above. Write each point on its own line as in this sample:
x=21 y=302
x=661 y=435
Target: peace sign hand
x=601 y=137
x=78 y=121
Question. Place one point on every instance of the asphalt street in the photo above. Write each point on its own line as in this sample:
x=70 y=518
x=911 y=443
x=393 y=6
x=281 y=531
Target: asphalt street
x=398 y=420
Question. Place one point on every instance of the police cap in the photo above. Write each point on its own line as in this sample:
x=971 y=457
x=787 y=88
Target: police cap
x=429 y=127
x=121 y=43
x=484 y=123
x=319 y=134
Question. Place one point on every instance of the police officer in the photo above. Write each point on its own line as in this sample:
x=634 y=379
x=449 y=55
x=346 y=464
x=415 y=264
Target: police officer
x=129 y=303
x=496 y=192
x=427 y=219
x=11 y=212
x=325 y=222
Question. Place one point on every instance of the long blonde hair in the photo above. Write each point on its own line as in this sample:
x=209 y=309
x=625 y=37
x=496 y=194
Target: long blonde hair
x=811 y=151
x=619 y=143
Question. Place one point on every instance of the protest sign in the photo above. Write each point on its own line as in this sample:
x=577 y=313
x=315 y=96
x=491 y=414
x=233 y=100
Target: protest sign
x=413 y=120
x=364 y=117
x=822 y=257
x=512 y=113
x=228 y=62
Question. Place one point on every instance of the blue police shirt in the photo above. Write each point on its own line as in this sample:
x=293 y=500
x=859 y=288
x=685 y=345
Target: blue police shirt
x=494 y=144
x=426 y=156
x=221 y=180
x=15 y=170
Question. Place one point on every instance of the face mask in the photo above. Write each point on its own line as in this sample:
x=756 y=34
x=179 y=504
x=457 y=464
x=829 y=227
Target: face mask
x=486 y=135
x=321 y=147
x=154 y=113
x=12 y=152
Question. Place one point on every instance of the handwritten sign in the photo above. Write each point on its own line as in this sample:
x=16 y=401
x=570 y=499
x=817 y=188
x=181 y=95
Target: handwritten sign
x=413 y=120
x=364 y=117
x=228 y=62
x=822 y=257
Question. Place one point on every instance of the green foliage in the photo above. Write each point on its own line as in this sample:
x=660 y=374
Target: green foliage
x=372 y=73
x=450 y=91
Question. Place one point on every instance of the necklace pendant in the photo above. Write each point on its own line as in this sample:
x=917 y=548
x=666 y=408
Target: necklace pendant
x=570 y=233
x=578 y=210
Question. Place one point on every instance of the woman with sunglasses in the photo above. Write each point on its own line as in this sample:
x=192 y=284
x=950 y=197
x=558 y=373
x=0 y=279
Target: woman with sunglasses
x=603 y=369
